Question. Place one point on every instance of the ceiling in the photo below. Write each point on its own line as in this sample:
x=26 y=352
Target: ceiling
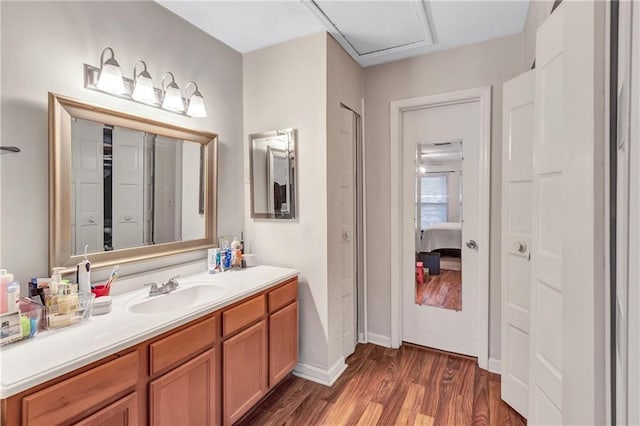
x=371 y=31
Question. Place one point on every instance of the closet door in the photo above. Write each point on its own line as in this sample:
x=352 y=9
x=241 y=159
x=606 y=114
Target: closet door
x=517 y=187
x=128 y=188
x=87 y=175
x=567 y=307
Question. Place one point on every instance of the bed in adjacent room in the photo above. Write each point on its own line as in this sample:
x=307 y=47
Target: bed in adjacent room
x=446 y=235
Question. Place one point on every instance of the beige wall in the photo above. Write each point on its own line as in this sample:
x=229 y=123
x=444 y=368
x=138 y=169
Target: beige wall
x=344 y=86
x=44 y=46
x=487 y=63
x=286 y=86
x=538 y=12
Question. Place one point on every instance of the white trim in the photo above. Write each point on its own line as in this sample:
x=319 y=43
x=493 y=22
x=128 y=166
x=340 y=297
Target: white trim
x=380 y=340
x=425 y=27
x=320 y=375
x=400 y=248
x=365 y=284
x=361 y=338
x=495 y=365
x=633 y=330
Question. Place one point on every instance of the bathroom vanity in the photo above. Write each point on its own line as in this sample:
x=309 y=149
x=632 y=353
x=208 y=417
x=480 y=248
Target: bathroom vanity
x=205 y=360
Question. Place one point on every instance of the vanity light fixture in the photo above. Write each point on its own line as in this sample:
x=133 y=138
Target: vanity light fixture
x=172 y=98
x=143 y=90
x=196 y=101
x=108 y=79
x=110 y=75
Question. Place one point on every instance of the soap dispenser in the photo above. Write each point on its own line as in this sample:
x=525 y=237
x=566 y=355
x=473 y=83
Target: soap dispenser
x=83 y=273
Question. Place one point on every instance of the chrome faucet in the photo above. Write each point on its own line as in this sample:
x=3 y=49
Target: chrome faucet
x=165 y=288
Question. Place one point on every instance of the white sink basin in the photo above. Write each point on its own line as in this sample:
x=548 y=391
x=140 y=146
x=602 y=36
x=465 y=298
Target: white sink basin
x=180 y=299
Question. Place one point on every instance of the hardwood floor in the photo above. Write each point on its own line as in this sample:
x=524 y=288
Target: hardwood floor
x=381 y=386
x=443 y=291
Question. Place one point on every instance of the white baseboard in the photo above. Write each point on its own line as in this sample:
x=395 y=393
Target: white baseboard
x=379 y=339
x=320 y=375
x=361 y=338
x=495 y=365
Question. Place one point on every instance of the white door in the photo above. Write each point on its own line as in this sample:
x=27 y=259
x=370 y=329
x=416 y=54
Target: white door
x=447 y=329
x=545 y=395
x=625 y=411
x=86 y=141
x=347 y=221
x=517 y=187
x=128 y=188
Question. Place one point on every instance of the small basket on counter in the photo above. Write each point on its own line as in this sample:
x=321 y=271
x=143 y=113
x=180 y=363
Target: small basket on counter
x=63 y=311
x=21 y=325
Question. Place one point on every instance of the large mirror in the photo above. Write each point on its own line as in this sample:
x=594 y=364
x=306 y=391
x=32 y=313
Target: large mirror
x=126 y=188
x=273 y=174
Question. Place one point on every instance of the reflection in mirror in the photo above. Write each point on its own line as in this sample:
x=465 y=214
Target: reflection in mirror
x=439 y=226
x=273 y=182
x=131 y=188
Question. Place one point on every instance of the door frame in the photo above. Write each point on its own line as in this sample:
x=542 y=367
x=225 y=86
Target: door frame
x=402 y=250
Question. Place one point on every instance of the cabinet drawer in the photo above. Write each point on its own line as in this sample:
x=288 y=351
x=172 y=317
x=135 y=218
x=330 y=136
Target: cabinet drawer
x=66 y=400
x=283 y=295
x=181 y=345
x=242 y=315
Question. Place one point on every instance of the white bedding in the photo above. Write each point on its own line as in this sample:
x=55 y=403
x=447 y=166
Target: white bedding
x=447 y=235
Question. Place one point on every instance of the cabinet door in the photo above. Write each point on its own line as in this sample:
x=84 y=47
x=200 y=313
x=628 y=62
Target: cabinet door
x=185 y=395
x=283 y=342
x=244 y=371
x=123 y=412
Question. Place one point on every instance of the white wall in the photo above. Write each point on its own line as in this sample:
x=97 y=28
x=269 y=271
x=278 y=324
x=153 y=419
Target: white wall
x=286 y=86
x=344 y=86
x=487 y=63
x=44 y=46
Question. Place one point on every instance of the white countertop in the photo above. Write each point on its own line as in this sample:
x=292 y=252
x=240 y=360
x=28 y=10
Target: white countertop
x=51 y=354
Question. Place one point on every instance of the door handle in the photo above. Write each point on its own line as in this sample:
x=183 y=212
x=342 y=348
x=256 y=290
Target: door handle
x=521 y=247
x=92 y=219
x=472 y=244
x=127 y=218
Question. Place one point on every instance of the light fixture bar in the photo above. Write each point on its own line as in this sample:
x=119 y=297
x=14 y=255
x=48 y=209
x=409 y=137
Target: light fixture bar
x=91 y=80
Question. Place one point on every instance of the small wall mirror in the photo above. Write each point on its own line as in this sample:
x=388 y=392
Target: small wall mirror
x=126 y=187
x=273 y=174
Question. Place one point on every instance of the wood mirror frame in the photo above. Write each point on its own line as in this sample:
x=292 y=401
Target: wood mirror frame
x=61 y=110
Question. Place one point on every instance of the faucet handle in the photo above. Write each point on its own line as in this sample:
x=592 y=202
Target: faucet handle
x=172 y=283
x=154 y=290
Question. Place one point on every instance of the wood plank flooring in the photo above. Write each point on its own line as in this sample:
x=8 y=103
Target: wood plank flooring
x=381 y=386
x=443 y=291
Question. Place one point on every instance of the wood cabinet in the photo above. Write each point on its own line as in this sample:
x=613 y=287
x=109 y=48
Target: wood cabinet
x=185 y=395
x=283 y=342
x=244 y=371
x=70 y=398
x=123 y=412
x=210 y=371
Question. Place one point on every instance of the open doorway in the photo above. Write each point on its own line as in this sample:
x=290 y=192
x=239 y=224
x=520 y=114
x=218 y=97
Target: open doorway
x=439 y=224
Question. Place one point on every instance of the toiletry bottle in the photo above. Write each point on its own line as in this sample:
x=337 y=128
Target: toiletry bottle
x=13 y=296
x=83 y=273
x=5 y=280
x=56 y=280
x=211 y=260
x=235 y=244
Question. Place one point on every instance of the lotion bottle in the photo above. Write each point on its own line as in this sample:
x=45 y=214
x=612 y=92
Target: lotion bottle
x=83 y=273
x=5 y=281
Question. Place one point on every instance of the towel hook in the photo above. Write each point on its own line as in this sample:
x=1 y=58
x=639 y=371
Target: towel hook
x=10 y=148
